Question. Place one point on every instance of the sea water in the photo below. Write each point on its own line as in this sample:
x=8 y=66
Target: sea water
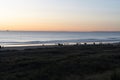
x=26 y=38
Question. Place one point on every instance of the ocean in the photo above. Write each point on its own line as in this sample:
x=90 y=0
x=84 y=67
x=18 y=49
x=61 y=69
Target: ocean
x=30 y=38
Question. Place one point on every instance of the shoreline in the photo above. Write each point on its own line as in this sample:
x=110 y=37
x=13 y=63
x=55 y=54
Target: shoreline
x=57 y=45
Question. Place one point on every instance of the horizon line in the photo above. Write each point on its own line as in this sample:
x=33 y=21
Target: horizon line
x=52 y=31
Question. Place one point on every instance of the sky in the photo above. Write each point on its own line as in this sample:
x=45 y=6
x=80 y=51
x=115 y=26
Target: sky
x=60 y=15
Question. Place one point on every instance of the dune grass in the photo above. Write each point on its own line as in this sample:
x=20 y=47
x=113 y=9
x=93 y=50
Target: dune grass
x=61 y=63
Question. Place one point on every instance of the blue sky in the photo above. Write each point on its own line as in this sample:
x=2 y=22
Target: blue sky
x=77 y=15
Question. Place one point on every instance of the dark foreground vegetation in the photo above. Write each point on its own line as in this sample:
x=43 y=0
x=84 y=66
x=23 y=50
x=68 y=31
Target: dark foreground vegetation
x=61 y=63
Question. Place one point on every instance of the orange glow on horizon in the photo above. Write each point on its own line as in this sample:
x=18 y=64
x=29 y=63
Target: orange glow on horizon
x=48 y=27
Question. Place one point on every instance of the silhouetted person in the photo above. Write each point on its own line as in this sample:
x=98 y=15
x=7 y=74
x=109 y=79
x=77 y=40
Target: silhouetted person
x=85 y=44
x=60 y=44
x=77 y=44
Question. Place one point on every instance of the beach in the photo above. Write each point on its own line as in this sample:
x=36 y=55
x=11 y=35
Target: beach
x=61 y=62
x=59 y=39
